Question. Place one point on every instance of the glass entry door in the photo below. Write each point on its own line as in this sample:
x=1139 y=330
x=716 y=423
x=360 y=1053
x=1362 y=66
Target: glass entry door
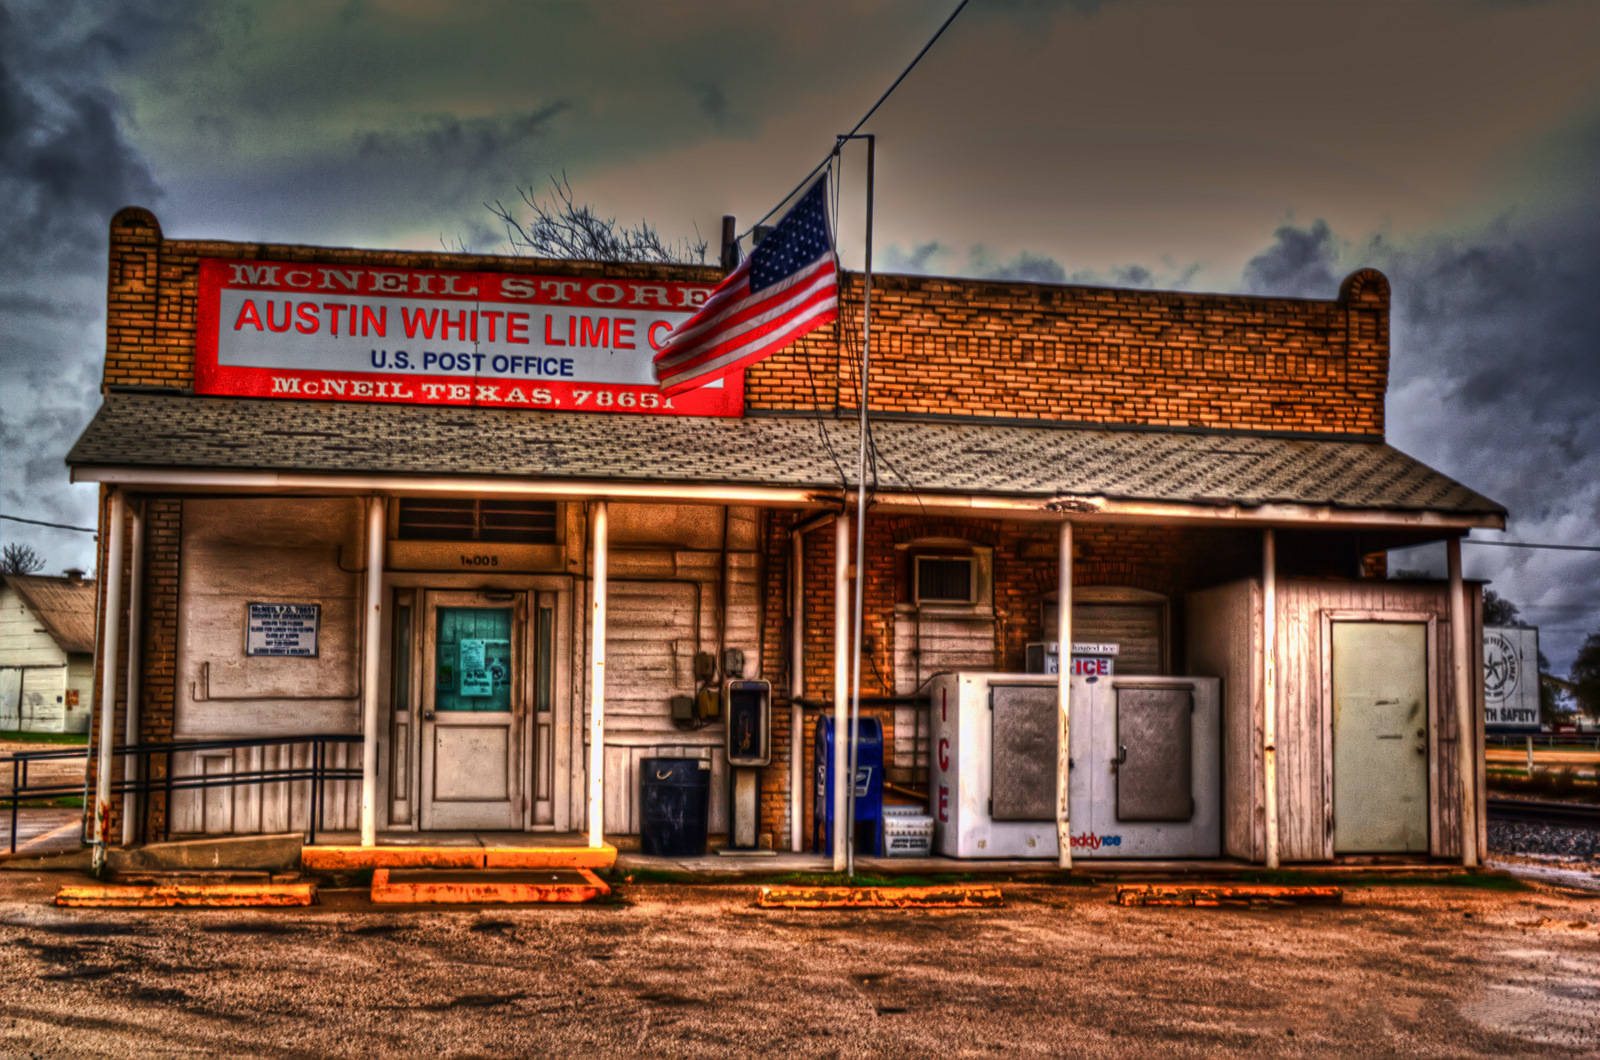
x=472 y=712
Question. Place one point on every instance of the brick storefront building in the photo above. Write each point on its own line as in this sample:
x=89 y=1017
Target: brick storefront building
x=497 y=577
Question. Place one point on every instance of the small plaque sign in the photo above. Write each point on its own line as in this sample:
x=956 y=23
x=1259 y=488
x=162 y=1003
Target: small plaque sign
x=282 y=630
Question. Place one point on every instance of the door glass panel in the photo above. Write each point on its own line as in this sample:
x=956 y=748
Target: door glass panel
x=544 y=632
x=400 y=658
x=472 y=670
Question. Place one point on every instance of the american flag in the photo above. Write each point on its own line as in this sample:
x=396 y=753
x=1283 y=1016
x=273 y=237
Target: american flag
x=786 y=288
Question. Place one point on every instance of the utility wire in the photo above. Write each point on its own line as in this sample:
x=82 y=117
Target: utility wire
x=873 y=110
x=1532 y=544
x=54 y=526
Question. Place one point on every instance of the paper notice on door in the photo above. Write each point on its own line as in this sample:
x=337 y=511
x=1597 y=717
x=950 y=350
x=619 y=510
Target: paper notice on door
x=475 y=677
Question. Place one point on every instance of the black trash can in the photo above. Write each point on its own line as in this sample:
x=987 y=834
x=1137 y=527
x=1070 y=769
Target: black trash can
x=674 y=795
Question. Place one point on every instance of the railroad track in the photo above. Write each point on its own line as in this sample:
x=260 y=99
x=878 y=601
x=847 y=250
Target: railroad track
x=1544 y=811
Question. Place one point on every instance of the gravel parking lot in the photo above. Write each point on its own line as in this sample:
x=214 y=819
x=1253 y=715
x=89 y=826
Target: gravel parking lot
x=697 y=971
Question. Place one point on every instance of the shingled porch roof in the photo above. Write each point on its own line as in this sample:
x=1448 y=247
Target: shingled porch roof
x=1054 y=465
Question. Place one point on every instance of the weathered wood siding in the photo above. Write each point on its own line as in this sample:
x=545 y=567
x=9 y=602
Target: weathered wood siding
x=80 y=679
x=1224 y=626
x=235 y=552
x=664 y=604
x=33 y=671
x=1224 y=638
x=263 y=808
x=928 y=640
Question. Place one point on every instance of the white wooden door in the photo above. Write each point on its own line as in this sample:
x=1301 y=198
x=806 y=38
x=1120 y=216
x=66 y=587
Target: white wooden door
x=1380 y=737
x=473 y=706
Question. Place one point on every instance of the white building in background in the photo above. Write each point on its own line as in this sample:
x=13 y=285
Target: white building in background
x=46 y=652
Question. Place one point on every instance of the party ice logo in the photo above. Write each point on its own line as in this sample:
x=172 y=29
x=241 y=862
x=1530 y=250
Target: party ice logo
x=1501 y=671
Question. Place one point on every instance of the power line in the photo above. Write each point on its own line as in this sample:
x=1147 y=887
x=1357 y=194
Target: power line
x=870 y=112
x=1532 y=544
x=53 y=526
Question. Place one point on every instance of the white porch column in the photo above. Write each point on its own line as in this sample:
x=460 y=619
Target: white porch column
x=111 y=573
x=841 y=683
x=1064 y=697
x=597 y=677
x=371 y=643
x=1461 y=685
x=130 y=717
x=797 y=688
x=1269 y=694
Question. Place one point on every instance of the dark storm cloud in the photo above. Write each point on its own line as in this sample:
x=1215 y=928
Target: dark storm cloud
x=1040 y=8
x=1495 y=380
x=713 y=102
x=919 y=260
x=65 y=166
x=469 y=144
x=1026 y=267
x=1300 y=262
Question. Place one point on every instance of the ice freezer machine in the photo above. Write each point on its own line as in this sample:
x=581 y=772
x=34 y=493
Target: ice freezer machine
x=1145 y=762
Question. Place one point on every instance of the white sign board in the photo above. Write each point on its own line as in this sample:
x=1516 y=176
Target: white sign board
x=1510 y=679
x=282 y=630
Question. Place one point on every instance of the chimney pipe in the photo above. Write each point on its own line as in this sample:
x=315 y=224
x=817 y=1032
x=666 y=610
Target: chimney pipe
x=730 y=243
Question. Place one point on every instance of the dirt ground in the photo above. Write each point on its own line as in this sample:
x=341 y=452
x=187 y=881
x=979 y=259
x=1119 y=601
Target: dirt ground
x=698 y=971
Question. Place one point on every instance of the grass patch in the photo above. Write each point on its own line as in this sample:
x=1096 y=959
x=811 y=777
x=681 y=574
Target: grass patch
x=1481 y=881
x=70 y=739
x=838 y=879
x=60 y=802
x=1560 y=783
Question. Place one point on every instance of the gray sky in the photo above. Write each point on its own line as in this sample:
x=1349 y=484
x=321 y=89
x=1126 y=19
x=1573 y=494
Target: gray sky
x=1269 y=146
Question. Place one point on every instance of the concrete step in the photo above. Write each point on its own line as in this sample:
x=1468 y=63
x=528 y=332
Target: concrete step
x=355 y=858
x=188 y=893
x=479 y=886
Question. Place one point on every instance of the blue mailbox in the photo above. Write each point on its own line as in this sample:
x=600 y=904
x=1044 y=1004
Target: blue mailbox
x=869 y=786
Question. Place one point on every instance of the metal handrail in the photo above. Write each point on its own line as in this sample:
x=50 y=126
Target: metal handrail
x=1588 y=738
x=317 y=772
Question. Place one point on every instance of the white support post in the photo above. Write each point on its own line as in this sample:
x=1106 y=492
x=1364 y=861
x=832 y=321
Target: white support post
x=797 y=688
x=841 y=681
x=371 y=643
x=1064 y=698
x=111 y=574
x=130 y=715
x=1269 y=696
x=1461 y=685
x=597 y=677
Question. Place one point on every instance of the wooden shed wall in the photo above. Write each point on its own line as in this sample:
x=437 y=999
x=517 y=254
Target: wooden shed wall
x=1224 y=639
x=664 y=597
x=236 y=551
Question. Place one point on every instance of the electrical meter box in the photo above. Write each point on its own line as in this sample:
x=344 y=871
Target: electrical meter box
x=749 y=707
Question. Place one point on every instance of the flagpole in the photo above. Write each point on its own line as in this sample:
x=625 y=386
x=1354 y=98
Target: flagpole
x=861 y=525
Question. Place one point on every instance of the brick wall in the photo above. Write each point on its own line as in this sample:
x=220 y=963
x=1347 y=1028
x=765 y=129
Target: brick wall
x=153 y=283
x=1098 y=355
x=940 y=346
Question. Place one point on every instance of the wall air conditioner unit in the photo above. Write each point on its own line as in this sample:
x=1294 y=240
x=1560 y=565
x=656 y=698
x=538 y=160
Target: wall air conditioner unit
x=944 y=580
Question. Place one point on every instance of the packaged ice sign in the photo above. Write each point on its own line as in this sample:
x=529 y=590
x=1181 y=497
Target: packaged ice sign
x=1089 y=659
x=282 y=630
x=294 y=330
x=1510 y=679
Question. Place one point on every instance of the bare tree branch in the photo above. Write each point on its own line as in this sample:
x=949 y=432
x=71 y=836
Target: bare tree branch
x=18 y=558
x=560 y=227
